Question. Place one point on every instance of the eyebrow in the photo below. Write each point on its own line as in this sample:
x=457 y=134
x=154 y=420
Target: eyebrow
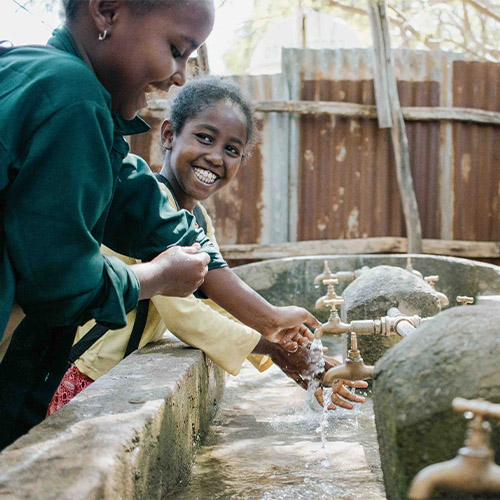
x=215 y=129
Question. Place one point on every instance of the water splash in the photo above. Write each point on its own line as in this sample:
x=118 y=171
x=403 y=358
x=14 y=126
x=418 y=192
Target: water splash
x=317 y=366
x=323 y=425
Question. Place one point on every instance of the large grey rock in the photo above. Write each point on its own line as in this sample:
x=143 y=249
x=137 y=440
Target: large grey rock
x=377 y=290
x=455 y=354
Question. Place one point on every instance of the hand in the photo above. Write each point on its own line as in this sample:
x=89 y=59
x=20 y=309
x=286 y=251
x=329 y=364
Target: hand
x=290 y=330
x=183 y=270
x=340 y=390
x=178 y=271
x=301 y=364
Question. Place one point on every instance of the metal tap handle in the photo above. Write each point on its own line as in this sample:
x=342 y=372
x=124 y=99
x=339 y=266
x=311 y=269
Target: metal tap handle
x=331 y=281
x=464 y=300
x=331 y=293
x=326 y=274
x=333 y=302
x=476 y=406
x=432 y=280
x=354 y=342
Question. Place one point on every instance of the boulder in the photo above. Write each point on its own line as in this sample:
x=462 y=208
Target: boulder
x=455 y=354
x=377 y=290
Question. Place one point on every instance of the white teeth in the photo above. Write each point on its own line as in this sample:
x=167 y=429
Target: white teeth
x=205 y=175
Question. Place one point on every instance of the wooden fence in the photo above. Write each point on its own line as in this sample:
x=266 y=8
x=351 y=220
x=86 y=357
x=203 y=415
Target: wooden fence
x=324 y=173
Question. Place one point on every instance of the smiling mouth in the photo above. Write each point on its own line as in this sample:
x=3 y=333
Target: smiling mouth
x=205 y=176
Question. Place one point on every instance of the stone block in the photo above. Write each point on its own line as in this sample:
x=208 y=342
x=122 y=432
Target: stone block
x=377 y=290
x=455 y=354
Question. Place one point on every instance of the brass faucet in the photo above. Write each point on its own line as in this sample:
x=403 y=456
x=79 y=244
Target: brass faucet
x=339 y=275
x=353 y=368
x=442 y=297
x=473 y=469
x=395 y=323
x=331 y=296
x=464 y=300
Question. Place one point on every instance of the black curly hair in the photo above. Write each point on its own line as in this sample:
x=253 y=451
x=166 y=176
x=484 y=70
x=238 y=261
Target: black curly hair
x=204 y=92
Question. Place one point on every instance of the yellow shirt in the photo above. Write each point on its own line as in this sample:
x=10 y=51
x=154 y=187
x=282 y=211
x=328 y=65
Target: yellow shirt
x=199 y=323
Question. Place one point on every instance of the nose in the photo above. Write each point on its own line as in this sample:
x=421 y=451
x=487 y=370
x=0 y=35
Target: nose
x=214 y=156
x=179 y=77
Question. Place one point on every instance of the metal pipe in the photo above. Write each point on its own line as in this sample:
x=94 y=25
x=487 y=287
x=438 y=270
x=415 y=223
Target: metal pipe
x=404 y=326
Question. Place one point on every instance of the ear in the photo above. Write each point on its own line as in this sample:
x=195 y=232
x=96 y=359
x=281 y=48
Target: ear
x=104 y=13
x=167 y=134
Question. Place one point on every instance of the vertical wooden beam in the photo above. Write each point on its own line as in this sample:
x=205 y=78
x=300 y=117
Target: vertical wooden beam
x=380 y=68
x=391 y=116
x=203 y=67
x=198 y=65
x=446 y=160
x=290 y=67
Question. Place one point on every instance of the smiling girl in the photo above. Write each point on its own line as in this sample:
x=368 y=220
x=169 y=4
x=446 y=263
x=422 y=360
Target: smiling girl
x=209 y=132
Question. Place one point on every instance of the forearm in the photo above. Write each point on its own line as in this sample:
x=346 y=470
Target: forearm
x=236 y=297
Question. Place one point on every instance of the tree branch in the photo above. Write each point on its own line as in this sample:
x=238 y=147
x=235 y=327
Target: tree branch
x=483 y=9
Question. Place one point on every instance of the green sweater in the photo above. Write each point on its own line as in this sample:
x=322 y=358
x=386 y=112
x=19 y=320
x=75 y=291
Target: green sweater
x=64 y=191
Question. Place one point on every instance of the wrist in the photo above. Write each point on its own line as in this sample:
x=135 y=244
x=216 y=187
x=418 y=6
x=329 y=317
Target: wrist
x=264 y=347
x=271 y=322
x=149 y=276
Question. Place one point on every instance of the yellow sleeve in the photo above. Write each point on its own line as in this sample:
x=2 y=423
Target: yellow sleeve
x=225 y=341
x=109 y=350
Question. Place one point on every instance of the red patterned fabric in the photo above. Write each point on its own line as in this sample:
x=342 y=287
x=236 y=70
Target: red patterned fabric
x=73 y=382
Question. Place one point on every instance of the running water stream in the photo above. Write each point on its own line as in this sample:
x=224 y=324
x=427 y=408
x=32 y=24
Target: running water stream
x=264 y=446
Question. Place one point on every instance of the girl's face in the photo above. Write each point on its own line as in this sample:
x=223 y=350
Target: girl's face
x=206 y=154
x=149 y=51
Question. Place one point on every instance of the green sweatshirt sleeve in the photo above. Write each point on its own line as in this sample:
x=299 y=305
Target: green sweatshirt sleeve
x=142 y=222
x=55 y=215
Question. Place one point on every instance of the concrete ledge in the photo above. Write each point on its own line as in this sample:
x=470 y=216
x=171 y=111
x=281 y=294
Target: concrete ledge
x=130 y=435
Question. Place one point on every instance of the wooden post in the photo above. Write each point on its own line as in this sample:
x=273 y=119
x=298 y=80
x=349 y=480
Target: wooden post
x=390 y=115
x=202 y=60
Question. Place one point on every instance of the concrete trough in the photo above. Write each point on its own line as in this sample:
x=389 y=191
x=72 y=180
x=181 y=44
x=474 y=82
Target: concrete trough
x=130 y=435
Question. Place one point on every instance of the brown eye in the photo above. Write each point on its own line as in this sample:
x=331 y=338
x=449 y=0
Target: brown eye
x=205 y=138
x=232 y=150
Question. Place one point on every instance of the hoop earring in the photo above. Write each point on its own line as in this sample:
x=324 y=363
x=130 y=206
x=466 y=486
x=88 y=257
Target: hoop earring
x=103 y=35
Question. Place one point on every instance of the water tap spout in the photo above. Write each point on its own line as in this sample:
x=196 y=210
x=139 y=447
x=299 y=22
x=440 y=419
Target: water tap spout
x=353 y=368
x=443 y=299
x=350 y=370
x=334 y=323
x=331 y=299
x=473 y=469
